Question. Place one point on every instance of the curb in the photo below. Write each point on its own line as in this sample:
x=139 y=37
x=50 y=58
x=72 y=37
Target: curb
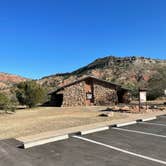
x=148 y=119
x=31 y=144
x=43 y=141
x=126 y=124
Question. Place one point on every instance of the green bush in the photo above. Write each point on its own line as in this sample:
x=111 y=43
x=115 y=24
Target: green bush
x=30 y=93
x=157 y=84
x=133 y=90
x=6 y=104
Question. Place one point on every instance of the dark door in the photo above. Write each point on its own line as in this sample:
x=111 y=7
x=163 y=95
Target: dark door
x=120 y=94
x=57 y=100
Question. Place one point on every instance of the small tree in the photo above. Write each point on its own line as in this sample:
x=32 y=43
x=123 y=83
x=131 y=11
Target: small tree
x=157 y=84
x=133 y=88
x=4 y=102
x=30 y=93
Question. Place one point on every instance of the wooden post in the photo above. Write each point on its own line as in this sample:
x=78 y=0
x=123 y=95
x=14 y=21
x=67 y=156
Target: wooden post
x=139 y=102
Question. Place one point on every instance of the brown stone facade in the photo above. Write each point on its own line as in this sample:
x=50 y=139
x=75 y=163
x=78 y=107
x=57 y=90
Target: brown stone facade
x=73 y=95
x=86 y=92
x=104 y=94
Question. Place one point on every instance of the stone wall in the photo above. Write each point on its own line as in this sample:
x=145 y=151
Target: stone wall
x=73 y=95
x=104 y=94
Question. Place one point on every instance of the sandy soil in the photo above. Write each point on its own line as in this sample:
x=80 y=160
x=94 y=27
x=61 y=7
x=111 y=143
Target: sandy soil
x=43 y=119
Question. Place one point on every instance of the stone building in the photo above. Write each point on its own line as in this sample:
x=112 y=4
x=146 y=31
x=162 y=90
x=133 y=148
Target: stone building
x=89 y=91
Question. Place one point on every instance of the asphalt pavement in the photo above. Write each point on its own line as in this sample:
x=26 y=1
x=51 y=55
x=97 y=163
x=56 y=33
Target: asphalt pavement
x=140 y=144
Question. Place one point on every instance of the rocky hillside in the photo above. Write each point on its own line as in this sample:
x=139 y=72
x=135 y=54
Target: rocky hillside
x=128 y=71
x=131 y=72
x=8 y=80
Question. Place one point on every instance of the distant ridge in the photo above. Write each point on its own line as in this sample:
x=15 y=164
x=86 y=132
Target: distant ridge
x=129 y=71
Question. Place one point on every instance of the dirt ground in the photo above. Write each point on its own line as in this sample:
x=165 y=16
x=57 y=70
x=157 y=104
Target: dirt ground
x=27 y=122
x=43 y=119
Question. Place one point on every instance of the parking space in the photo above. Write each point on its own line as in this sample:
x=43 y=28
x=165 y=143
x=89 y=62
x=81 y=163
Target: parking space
x=157 y=126
x=159 y=120
x=71 y=152
x=150 y=146
x=76 y=152
x=116 y=146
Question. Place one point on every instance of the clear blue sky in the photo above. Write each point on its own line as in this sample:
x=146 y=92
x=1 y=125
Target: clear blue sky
x=42 y=37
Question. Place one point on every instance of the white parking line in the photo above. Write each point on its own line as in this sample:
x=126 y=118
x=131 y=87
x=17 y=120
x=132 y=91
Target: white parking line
x=157 y=124
x=140 y=132
x=121 y=150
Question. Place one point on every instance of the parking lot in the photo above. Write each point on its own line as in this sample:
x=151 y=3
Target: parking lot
x=140 y=144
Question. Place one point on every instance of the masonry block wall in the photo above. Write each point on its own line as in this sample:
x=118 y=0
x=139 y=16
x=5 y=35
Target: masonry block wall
x=104 y=94
x=73 y=95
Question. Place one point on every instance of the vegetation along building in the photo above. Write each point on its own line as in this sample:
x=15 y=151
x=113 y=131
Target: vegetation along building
x=89 y=91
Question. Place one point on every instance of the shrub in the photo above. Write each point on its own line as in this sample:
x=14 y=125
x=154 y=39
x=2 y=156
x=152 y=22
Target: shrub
x=134 y=90
x=30 y=93
x=4 y=101
x=6 y=104
x=157 y=84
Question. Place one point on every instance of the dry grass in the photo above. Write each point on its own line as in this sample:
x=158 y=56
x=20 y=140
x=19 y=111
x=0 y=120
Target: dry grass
x=34 y=121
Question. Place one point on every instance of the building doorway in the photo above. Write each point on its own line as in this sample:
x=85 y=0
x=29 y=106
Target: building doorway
x=57 y=100
x=120 y=94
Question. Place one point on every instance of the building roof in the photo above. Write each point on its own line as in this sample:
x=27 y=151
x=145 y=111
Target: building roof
x=87 y=78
